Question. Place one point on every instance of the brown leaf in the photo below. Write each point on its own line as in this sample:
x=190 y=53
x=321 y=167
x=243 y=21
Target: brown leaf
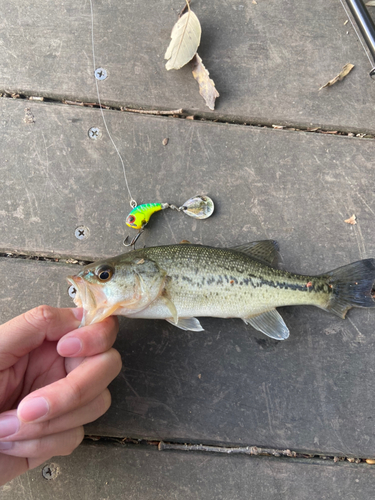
x=352 y=220
x=206 y=86
x=345 y=71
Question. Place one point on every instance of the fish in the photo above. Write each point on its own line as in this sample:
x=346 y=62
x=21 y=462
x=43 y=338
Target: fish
x=180 y=283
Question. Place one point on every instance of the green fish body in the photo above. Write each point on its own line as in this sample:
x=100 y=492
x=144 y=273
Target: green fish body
x=182 y=282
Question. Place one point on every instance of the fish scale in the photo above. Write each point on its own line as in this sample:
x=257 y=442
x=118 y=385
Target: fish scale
x=182 y=282
x=232 y=282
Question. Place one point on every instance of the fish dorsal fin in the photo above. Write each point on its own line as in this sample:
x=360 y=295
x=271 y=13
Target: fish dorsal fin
x=191 y=324
x=270 y=323
x=266 y=251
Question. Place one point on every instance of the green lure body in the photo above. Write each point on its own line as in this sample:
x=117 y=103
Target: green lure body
x=141 y=214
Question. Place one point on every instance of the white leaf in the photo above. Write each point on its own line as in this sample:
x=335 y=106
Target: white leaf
x=186 y=36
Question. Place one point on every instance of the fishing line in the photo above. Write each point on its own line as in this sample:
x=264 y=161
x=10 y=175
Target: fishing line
x=133 y=203
x=356 y=31
x=198 y=207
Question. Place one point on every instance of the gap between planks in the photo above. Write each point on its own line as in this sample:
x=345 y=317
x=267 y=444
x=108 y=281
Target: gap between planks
x=181 y=114
x=316 y=458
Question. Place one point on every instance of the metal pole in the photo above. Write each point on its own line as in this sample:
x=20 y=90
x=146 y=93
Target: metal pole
x=366 y=26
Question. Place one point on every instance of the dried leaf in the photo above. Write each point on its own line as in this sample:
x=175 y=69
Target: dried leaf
x=352 y=220
x=186 y=36
x=345 y=71
x=206 y=86
x=371 y=3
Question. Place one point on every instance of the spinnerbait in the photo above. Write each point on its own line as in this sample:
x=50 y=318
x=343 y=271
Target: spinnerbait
x=198 y=207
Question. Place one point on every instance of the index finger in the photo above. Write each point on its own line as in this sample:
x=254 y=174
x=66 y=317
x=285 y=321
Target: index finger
x=28 y=331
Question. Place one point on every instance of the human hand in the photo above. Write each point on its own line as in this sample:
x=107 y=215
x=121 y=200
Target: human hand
x=48 y=391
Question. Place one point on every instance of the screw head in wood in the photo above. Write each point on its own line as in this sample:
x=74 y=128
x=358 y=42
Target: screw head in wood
x=94 y=133
x=82 y=232
x=100 y=74
x=50 y=471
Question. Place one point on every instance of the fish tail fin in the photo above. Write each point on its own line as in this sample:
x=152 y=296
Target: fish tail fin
x=352 y=286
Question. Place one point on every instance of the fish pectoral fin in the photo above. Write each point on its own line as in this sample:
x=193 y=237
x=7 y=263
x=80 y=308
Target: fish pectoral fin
x=266 y=251
x=191 y=324
x=270 y=323
x=172 y=309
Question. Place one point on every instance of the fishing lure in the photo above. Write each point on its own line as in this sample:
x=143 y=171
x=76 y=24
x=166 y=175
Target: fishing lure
x=198 y=207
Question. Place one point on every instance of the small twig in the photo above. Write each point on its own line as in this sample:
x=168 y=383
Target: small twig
x=153 y=112
x=72 y=103
x=87 y=104
x=184 y=8
x=246 y=450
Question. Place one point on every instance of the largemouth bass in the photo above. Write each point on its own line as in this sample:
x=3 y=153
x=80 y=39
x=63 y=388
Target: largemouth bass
x=179 y=283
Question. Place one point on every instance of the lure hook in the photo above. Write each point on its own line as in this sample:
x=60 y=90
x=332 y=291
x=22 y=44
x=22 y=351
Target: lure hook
x=133 y=241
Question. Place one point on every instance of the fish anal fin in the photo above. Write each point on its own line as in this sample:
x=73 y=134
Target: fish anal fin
x=191 y=324
x=266 y=251
x=270 y=323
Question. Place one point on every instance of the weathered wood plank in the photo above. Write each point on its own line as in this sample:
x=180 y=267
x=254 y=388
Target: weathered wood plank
x=118 y=471
x=268 y=59
x=229 y=384
x=297 y=188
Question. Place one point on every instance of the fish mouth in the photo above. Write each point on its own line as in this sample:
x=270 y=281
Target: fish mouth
x=92 y=299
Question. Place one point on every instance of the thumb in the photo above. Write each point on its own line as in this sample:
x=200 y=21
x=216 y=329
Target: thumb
x=28 y=331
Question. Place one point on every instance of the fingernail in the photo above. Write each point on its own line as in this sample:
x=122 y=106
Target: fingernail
x=77 y=312
x=8 y=425
x=6 y=445
x=32 y=409
x=69 y=347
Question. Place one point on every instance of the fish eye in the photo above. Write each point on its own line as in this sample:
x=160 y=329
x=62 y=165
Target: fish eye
x=104 y=273
x=131 y=219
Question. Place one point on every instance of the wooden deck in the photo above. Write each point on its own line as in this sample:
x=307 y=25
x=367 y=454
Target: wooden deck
x=228 y=386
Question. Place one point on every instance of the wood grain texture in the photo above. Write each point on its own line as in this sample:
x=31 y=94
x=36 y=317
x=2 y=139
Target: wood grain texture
x=229 y=384
x=295 y=187
x=268 y=60
x=118 y=471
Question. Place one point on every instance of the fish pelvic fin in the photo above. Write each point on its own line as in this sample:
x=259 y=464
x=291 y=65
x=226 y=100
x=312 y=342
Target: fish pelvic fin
x=266 y=251
x=191 y=324
x=270 y=323
x=352 y=286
